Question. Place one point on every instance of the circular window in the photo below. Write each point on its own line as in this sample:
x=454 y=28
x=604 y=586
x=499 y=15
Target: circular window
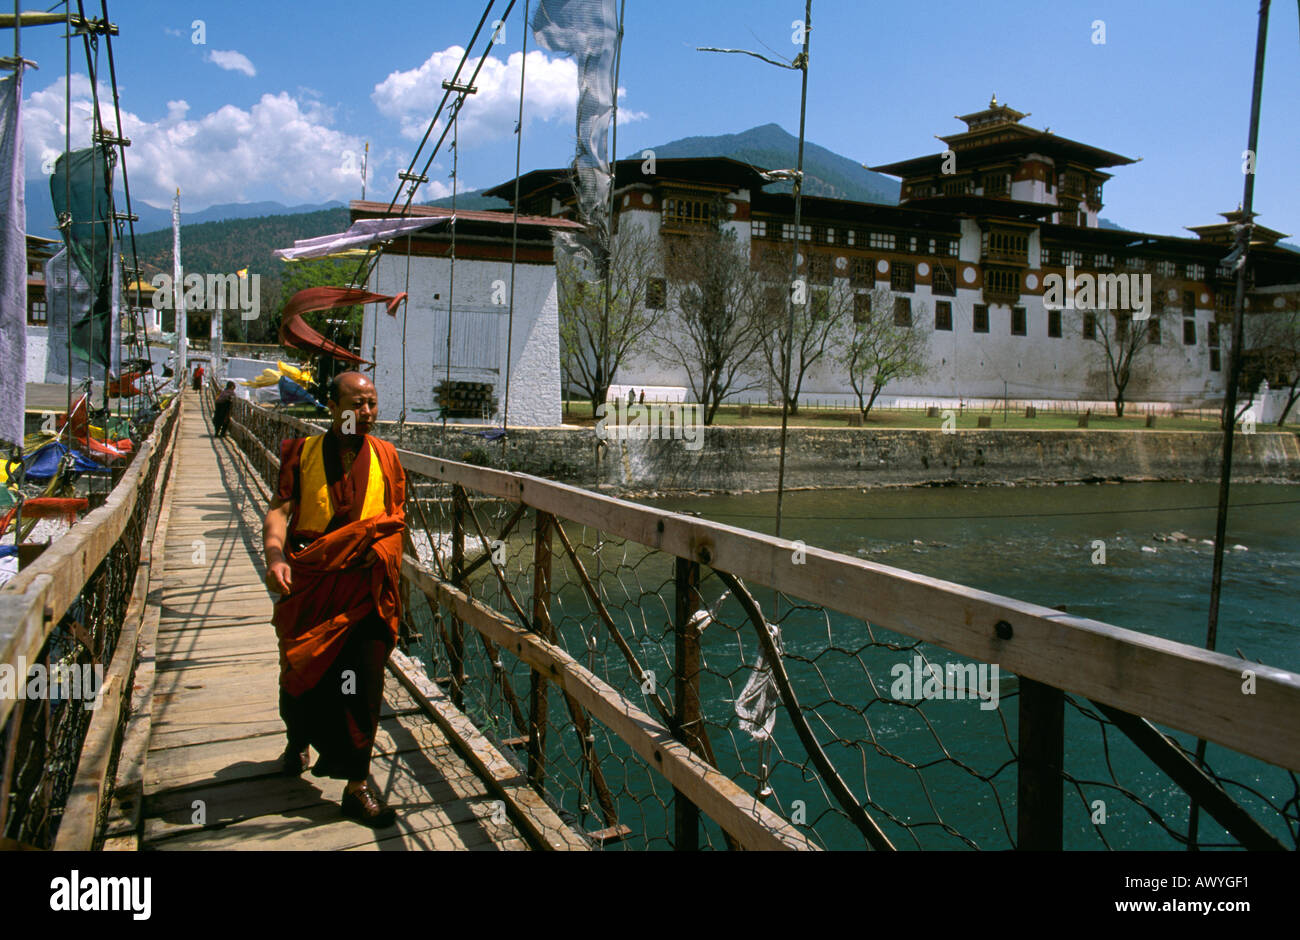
x=882 y=266
x=1031 y=281
x=646 y=198
x=968 y=275
x=923 y=269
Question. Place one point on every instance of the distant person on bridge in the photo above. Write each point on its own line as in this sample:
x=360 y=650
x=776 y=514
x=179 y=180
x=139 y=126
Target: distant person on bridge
x=333 y=542
x=221 y=410
x=198 y=377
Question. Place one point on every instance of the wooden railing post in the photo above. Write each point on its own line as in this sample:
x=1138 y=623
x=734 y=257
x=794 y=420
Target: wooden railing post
x=456 y=652
x=1040 y=793
x=686 y=696
x=537 y=690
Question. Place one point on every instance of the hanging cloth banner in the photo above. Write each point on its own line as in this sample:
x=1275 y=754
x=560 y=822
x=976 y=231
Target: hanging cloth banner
x=588 y=31
x=85 y=175
x=13 y=262
x=360 y=234
x=67 y=300
x=296 y=334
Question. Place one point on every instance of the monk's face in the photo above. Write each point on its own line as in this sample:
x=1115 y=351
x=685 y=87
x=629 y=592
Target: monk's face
x=358 y=405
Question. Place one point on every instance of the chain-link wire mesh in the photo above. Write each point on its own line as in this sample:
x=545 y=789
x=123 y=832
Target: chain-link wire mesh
x=916 y=741
x=41 y=741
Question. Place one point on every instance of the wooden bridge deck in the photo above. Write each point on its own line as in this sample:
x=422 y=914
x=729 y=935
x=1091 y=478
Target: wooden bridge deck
x=215 y=731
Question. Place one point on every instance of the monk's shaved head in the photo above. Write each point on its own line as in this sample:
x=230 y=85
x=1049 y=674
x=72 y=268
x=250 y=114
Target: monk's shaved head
x=348 y=381
x=353 y=403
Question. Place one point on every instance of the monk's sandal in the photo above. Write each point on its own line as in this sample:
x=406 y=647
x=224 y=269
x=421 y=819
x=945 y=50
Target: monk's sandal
x=367 y=808
x=293 y=763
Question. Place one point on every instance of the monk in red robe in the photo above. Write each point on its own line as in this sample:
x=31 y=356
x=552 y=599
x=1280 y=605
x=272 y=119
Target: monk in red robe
x=333 y=543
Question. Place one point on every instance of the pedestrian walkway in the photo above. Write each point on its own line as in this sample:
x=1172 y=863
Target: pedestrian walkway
x=211 y=777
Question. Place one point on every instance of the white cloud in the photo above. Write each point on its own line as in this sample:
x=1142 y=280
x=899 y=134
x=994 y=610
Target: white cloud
x=232 y=61
x=279 y=148
x=627 y=115
x=411 y=96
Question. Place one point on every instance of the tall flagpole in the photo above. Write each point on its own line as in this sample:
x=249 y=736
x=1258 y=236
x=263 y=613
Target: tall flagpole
x=1242 y=252
x=794 y=269
x=178 y=295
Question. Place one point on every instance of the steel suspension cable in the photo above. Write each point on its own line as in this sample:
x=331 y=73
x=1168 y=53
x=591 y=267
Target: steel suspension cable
x=514 y=239
x=366 y=263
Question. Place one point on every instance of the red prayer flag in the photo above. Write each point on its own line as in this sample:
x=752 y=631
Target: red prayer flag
x=296 y=334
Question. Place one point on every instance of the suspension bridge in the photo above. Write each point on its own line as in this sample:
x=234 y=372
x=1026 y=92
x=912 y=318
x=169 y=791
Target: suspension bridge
x=570 y=676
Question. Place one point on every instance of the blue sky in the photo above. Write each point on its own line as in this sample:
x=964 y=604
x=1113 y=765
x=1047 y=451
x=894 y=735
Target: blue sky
x=278 y=100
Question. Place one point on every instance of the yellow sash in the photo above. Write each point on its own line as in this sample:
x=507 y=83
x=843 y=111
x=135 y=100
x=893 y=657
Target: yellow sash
x=315 y=508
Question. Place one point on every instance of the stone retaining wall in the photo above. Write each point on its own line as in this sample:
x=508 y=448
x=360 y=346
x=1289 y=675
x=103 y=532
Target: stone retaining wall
x=736 y=459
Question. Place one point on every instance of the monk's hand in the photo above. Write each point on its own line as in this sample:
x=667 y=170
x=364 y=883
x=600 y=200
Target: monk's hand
x=371 y=558
x=278 y=577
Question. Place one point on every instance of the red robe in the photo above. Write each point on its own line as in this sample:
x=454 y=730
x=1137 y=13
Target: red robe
x=332 y=588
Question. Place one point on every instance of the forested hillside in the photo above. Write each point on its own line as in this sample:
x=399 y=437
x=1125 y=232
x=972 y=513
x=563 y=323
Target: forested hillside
x=229 y=246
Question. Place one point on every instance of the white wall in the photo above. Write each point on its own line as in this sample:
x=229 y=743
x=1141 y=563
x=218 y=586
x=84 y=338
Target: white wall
x=480 y=322
x=965 y=364
x=38 y=338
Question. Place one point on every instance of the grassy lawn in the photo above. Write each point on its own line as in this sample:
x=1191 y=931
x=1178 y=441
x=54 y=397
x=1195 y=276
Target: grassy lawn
x=579 y=412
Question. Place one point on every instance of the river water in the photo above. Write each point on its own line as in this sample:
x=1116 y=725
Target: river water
x=951 y=771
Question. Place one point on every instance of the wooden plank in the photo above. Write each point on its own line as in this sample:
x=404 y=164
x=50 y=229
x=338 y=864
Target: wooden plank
x=1171 y=683
x=1204 y=789
x=540 y=824
x=538 y=690
x=317 y=825
x=79 y=828
x=214 y=761
x=738 y=812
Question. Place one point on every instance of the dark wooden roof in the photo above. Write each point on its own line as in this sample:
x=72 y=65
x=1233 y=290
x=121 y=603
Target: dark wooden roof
x=712 y=170
x=1037 y=142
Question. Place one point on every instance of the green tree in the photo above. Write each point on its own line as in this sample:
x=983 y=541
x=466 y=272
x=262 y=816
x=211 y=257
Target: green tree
x=323 y=272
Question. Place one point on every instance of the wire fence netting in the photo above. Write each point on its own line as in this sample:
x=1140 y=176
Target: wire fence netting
x=921 y=743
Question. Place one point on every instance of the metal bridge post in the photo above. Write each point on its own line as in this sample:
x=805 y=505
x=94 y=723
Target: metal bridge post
x=1042 y=758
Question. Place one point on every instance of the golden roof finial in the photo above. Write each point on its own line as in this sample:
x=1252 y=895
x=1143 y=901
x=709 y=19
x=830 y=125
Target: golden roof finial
x=993 y=102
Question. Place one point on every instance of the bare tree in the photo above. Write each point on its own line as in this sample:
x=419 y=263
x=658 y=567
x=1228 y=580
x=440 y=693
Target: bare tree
x=714 y=324
x=595 y=338
x=819 y=307
x=883 y=343
x=1274 y=352
x=1122 y=341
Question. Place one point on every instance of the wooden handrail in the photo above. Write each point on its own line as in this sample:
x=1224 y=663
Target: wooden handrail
x=1167 y=682
x=34 y=601
x=739 y=813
